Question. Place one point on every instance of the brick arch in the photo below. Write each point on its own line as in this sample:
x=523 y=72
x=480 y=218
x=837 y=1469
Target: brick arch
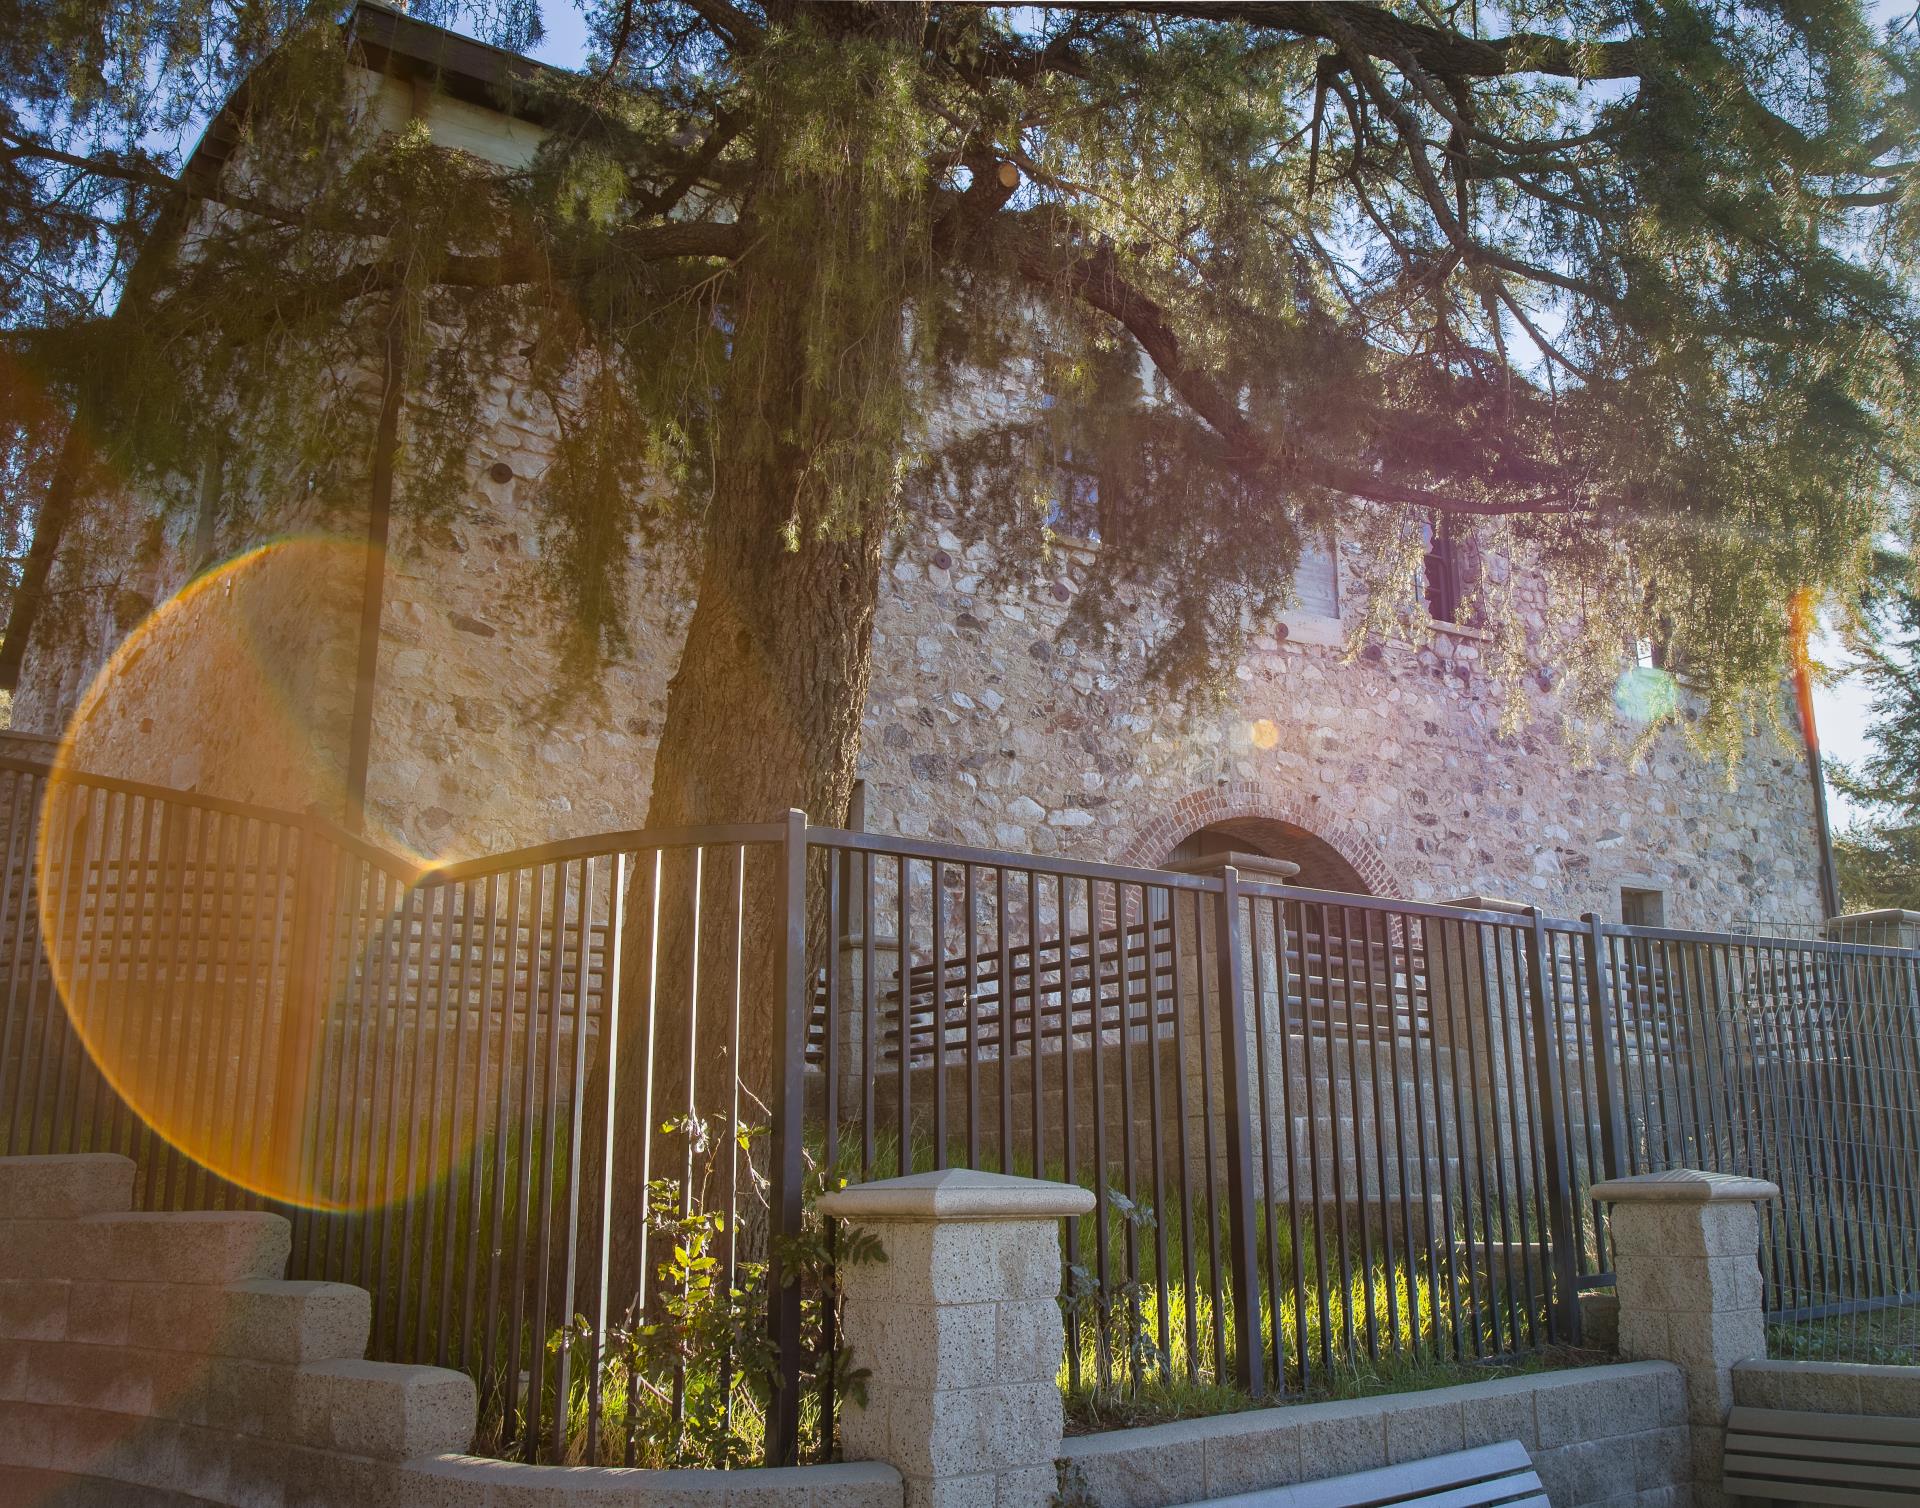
x=1256 y=799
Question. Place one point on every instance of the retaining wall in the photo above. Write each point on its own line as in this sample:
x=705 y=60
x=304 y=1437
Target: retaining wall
x=1828 y=1387
x=1602 y=1437
x=157 y=1359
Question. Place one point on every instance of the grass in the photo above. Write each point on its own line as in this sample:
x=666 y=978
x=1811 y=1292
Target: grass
x=1880 y=1337
x=1160 y=1401
x=1137 y=1353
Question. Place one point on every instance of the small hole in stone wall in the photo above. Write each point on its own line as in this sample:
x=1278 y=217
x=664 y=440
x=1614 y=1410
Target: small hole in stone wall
x=501 y=472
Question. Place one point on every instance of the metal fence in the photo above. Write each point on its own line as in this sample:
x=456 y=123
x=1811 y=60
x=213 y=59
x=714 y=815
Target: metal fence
x=562 y=1111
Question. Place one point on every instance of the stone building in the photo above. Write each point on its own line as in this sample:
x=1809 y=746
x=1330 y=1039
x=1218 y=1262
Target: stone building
x=1382 y=769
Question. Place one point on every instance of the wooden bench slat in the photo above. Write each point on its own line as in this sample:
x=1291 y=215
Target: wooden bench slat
x=1820 y=1469
x=1800 y=1449
x=1858 y=1460
x=1823 y=1427
x=1816 y=1492
x=1488 y=1476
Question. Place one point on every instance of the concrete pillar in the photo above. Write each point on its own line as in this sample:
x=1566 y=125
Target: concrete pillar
x=1890 y=928
x=960 y=1328
x=1686 y=1258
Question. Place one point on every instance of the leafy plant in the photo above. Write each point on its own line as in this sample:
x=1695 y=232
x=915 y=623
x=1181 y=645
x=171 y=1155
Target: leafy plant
x=687 y=1374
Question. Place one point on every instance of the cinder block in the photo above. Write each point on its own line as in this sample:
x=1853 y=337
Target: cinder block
x=64 y=1186
x=925 y=1346
x=292 y=1322
x=383 y=1410
x=87 y=1377
x=1662 y=1457
x=1890 y=1391
x=972 y=1262
x=978 y=1491
x=1144 y=1468
x=39 y=1248
x=1029 y=1487
x=33 y=1309
x=97 y=1313
x=248 y=1397
x=862 y=1485
x=1337 y=1438
x=1588 y=1472
x=1816 y=1386
x=1600 y=1321
x=1573 y=1407
x=327 y=1479
x=1502 y=1410
x=1248 y=1452
x=1419 y=1429
x=865 y=1484
x=1643 y=1334
x=26 y=1434
x=194 y=1246
x=1032 y=1340
x=1021 y=1424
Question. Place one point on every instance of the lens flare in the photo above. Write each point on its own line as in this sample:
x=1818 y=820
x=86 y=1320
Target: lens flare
x=1264 y=734
x=187 y=937
x=1646 y=694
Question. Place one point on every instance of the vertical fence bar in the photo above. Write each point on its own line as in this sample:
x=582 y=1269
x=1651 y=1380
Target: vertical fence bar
x=1607 y=1089
x=1553 y=1135
x=1248 y=1374
x=789 y=1097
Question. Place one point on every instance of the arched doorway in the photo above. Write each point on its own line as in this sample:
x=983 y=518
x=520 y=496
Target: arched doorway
x=1322 y=866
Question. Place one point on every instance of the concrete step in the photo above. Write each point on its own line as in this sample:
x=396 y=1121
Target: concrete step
x=210 y=1247
x=59 y=1188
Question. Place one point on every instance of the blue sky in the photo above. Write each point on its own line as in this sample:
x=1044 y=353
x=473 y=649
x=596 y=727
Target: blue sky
x=1840 y=709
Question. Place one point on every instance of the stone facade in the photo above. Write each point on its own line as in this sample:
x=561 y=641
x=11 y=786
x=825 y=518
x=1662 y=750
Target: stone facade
x=988 y=723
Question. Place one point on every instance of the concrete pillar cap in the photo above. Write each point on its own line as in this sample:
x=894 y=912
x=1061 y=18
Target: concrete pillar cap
x=1251 y=866
x=1685 y=1186
x=1495 y=903
x=958 y=1194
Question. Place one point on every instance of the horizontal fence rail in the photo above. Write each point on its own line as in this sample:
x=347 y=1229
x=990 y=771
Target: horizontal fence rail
x=564 y=1111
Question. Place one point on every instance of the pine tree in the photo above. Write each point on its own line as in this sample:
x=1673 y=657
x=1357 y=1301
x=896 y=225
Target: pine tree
x=1626 y=287
x=1878 y=853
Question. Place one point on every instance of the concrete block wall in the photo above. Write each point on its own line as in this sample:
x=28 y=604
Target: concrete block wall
x=1824 y=1387
x=1602 y=1437
x=1828 y=1387
x=159 y=1359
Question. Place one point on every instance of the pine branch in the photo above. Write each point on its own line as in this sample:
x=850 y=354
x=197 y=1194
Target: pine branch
x=1097 y=282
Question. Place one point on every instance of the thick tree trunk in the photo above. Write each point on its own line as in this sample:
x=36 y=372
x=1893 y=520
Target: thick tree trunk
x=49 y=529
x=763 y=715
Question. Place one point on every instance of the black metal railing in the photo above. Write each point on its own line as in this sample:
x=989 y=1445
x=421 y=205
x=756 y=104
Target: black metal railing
x=562 y=1110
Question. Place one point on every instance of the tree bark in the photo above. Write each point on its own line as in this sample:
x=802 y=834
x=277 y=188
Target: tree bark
x=49 y=528
x=763 y=716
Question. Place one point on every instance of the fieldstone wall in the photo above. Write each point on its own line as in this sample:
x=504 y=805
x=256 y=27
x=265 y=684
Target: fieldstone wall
x=1612 y=1435
x=988 y=724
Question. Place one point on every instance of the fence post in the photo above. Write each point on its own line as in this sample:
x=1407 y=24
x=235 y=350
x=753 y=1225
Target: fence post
x=1553 y=1133
x=1249 y=1367
x=788 y=1170
x=1613 y=1127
